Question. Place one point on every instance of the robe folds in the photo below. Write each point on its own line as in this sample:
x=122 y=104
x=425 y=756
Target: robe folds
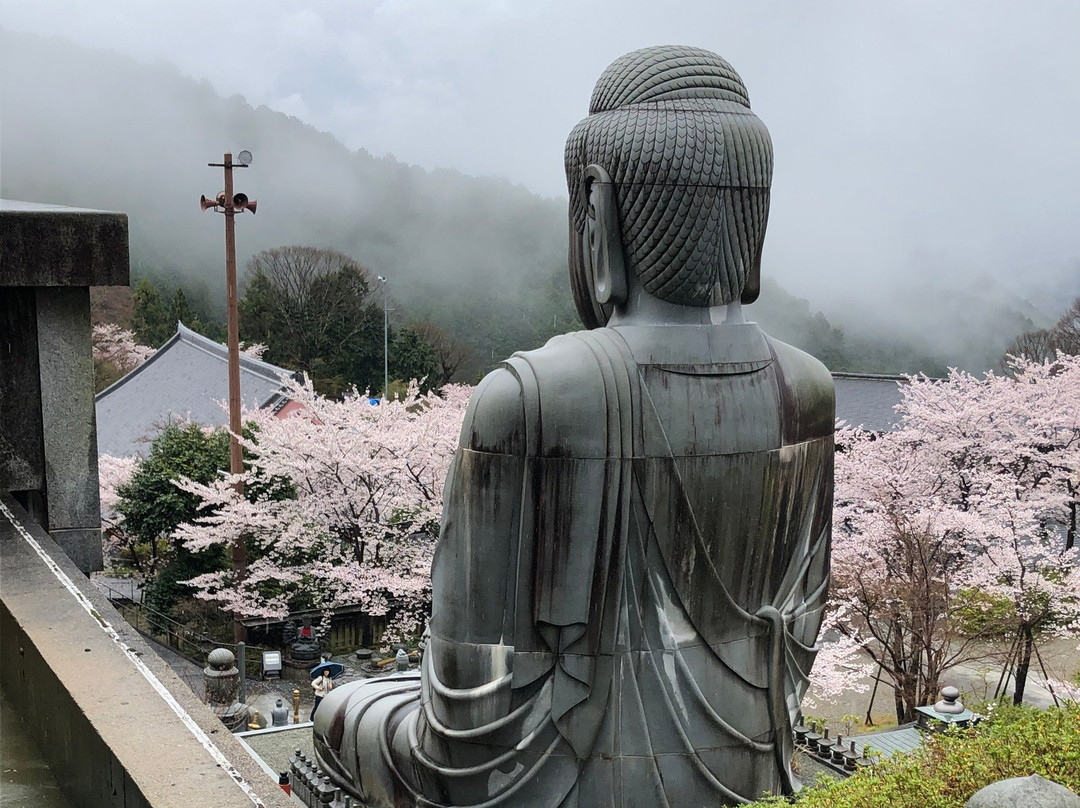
x=627 y=588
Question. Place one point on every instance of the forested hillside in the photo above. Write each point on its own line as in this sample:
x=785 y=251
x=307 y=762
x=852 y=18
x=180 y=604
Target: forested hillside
x=479 y=258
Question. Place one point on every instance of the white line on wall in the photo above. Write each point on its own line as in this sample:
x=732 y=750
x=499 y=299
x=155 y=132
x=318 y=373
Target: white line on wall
x=133 y=658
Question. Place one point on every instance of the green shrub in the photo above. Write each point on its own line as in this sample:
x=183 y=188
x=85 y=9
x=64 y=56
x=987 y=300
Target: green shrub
x=951 y=766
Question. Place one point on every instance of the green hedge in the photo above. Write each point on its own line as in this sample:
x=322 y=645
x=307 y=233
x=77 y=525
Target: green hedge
x=1015 y=742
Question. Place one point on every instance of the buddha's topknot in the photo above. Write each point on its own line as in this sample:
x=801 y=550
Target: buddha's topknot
x=664 y=74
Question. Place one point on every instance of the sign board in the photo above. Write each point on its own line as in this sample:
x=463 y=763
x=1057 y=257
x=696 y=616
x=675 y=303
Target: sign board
x=271 y=662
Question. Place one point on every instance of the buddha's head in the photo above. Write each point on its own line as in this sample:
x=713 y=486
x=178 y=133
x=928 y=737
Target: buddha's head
x=669 y=184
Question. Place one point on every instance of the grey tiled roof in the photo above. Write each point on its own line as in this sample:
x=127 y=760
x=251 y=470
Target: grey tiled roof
x=904 y=739
x=867 y=401
x=187 y=379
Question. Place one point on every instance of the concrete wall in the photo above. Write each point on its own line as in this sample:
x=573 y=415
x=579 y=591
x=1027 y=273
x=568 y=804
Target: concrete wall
x=116 y=724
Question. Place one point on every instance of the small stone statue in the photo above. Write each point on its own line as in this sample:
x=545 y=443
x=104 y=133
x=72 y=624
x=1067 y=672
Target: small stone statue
x=301 y=643
x=279 y=714
x=634 y=551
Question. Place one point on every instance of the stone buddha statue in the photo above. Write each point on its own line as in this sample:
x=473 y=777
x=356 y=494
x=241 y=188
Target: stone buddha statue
x=634 y=553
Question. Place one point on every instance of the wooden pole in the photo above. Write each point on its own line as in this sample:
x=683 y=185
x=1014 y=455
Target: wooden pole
x=236 y=456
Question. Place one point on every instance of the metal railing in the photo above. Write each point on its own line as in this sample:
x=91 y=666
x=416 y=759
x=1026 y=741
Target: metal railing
x=187 y=642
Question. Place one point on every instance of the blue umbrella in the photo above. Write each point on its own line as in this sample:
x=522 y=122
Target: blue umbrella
x=335 y=668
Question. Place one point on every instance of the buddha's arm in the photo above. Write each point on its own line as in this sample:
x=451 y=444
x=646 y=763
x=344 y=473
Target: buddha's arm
x=474 y=576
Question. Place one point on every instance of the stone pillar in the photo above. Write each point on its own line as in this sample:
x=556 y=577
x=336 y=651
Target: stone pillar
x=69 y=431
x=51 y=256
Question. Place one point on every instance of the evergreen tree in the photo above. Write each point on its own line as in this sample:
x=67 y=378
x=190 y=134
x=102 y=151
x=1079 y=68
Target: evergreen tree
x=179 y=311
x=411 y=357
x=149 y=318
x=315 y=312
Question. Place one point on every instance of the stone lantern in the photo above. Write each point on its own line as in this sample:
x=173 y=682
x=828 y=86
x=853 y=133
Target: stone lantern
x=948 y=710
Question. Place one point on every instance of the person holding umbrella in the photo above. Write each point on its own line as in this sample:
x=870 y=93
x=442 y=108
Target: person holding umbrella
x=322 y=684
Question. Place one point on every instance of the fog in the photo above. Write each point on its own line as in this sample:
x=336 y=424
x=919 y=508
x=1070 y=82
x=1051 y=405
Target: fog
x=926 y=168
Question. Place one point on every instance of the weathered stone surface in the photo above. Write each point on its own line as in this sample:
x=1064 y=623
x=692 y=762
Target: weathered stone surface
x=221 y=677
x=22 y=455
x=1024 y=792
x=50 y=257
x=90 y=697
x=66 y=373
x=634 y=550
x=52 y=245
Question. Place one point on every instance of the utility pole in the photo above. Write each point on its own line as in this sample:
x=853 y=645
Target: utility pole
x=230 y=205
x=385 y=341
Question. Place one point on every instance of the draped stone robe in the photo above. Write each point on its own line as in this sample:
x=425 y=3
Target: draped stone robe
x=627 y=588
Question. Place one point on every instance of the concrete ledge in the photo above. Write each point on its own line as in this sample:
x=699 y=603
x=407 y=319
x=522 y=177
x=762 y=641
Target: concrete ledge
x=52 y=245
x=116 y=724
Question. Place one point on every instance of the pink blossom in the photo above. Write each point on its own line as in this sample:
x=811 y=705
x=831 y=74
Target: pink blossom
x=117 y=346
x=976 y=492
x=361 y=528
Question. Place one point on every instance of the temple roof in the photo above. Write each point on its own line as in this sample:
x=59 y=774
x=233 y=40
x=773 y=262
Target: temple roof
x=186 y=380
x=867 y=400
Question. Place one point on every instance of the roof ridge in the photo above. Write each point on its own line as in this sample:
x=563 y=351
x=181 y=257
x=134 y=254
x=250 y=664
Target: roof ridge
x=132 y=373
x=209 y=346
x=203 y=342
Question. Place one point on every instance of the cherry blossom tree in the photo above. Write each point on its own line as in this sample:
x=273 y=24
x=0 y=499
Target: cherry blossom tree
x=116 y=345
x=841 y=668
x=255 y=349
x=1010 y=445
x=113 y=472
x=897 y=553
x=115 y=352
x=342 y=505
x=970 y=504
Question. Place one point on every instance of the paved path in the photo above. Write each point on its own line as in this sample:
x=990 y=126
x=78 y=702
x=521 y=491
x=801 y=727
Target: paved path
x=975 y=680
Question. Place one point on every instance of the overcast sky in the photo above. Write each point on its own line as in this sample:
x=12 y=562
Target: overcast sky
x=940 y=135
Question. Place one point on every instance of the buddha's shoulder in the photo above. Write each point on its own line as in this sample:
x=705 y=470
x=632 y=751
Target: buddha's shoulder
x=561 y=379
x=806 y=386
x=495 y=418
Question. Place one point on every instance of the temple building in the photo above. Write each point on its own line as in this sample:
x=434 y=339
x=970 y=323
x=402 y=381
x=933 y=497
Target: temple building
x=186 y=380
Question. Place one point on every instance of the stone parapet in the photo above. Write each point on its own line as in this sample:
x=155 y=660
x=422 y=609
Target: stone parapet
x=50 y=257
x=52 y=245
x=113 y=720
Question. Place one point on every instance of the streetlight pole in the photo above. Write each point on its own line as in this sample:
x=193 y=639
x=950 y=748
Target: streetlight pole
x=232 y=204
x=385 y=341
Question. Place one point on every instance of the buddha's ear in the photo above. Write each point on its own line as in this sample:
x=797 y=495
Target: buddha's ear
x=752 y=288
x=602 y=248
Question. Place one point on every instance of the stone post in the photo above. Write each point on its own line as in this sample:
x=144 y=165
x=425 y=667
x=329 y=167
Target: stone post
x=51 y=256
x=222 y=681
x=279 y=715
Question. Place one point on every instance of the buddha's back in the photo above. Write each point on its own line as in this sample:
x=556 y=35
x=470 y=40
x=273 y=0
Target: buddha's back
x=633 y=558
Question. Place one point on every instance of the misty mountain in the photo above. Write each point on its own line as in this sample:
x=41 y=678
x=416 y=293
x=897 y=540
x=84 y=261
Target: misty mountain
x=94 y=129
x=482 y=258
